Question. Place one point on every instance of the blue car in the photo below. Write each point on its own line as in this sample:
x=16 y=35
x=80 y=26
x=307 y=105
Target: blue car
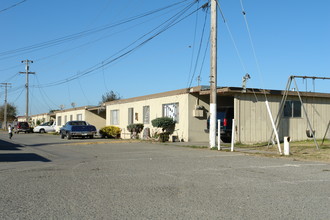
x=77 y=129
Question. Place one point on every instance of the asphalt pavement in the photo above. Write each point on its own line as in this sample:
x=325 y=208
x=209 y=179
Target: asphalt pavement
x=45 y=177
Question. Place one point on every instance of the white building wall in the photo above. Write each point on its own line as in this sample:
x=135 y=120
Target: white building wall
x=156 y=111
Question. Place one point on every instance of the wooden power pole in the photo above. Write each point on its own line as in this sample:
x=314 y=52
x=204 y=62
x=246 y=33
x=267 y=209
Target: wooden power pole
x=6 y=85
x=27 y=62
x=213 y=74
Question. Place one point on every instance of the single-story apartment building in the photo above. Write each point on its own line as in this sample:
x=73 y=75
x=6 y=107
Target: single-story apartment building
x=189 y=107
x=35 y=120
x=94 y=115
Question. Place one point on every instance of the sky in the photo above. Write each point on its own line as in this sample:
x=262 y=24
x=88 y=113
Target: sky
x=83 y=49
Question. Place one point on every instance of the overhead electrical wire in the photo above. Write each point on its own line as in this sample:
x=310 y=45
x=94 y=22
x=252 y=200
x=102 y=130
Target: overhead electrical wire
x=44 y=95
x=231 y=37
x=205 y=51
x=178 y=17
x=81 y=34
x=193 y=47
x=12 y=6
x=22 y=90
x=199 y=48
x=253 y=49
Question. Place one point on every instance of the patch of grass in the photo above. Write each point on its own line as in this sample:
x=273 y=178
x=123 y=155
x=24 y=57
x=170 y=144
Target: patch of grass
x=300 y=150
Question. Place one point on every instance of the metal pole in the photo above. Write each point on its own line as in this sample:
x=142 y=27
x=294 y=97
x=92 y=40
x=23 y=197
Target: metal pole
x=213 y=74
x=308 y=122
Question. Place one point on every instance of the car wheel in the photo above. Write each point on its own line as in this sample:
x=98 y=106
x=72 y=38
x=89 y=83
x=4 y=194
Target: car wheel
x=91 y=136
x=68 y=135
x=42 y=131
x=62 y=135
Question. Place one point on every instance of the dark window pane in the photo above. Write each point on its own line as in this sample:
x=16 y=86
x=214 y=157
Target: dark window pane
x=287 y=111
x=296 y=109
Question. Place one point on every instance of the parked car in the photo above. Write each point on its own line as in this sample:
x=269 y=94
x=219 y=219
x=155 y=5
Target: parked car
x=77 y=129
x=226 y=115
x=45 y=127
x=22 y=127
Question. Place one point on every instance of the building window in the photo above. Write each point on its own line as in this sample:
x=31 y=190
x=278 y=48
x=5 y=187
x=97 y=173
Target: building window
x=292 y=109
x=130 y=116
x=146 y=114
x=114 y=117
x=79 y=117
x=71 y=117
x=172 y=111
x=65 y=119
x=59 y=120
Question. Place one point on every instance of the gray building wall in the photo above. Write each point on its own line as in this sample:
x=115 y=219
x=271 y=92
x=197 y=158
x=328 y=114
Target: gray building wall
x=253 y=124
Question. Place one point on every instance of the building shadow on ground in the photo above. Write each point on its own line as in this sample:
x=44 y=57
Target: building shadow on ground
x=17 y=157
x=5 y=145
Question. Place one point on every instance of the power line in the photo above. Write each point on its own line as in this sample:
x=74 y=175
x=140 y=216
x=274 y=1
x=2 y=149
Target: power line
x=5 y=9
x=175 y=19
x=232 y=38
x=253 y=48
x=81 y=34
x=199 y=49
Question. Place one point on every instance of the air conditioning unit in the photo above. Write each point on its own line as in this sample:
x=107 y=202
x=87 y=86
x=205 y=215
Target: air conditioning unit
x=198 y=113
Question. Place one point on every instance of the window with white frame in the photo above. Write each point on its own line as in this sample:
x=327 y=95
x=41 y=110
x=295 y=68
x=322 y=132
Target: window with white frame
x=79 y=117
x=146 y=114
x=171 y=110
x=65 y=119
x=292 y=109
x=130 y=116
x=71 y=117
x=59 y=120
x=114 y=117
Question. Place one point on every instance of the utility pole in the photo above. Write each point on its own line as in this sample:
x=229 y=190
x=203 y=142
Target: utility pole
x=27 y=62
x=213 y=74
x=6 y=85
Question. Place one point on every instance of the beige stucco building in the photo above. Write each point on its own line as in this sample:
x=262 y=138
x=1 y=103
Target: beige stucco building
x=34 y=120
x=190 y=108
x=94 y=115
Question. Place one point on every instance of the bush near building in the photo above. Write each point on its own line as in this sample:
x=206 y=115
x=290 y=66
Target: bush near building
x=135 y=129
x=110 y=132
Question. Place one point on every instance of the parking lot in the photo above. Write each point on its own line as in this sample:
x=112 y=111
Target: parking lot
x=45 y=177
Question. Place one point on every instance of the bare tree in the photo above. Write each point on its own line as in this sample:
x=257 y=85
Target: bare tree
x=110 y=96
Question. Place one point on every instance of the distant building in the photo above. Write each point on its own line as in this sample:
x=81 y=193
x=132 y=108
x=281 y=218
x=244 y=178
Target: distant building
x=41 y=118
x=94 y=115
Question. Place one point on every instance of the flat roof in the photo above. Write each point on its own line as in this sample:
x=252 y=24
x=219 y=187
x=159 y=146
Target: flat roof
x=205 y=90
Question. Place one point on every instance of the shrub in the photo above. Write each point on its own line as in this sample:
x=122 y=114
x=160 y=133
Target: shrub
x=135 y=129
x=110 y=132
x=165 y=123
